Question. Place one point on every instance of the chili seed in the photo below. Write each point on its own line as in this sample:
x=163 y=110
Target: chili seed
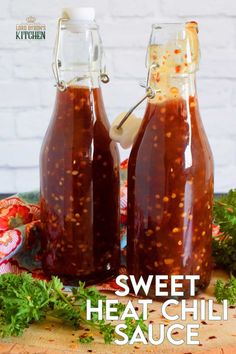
x=168 y=261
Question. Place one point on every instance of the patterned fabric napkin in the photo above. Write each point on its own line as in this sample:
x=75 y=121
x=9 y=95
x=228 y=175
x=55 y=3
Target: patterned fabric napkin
x=20 y=243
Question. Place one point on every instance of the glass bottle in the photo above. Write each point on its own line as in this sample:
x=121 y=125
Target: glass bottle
x=79 y=164
x=170 y=171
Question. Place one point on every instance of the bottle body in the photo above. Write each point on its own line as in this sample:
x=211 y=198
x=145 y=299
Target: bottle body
x=80 y=189
x=169 y=200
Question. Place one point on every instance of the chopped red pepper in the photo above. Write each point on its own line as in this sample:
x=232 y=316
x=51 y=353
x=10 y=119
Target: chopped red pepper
x=178 y=69
x=177 y=51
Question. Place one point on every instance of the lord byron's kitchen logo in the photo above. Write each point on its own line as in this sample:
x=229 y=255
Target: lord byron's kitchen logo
x=30 y=29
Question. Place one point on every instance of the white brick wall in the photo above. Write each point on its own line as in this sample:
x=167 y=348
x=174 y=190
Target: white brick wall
x=26 y=83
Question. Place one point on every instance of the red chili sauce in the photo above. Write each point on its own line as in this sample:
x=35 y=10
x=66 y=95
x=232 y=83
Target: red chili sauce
x=170 y=193
x=80 y=190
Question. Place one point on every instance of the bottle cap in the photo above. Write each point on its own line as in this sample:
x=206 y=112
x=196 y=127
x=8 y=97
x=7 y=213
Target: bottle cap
x=79 y=13
x=127 y=133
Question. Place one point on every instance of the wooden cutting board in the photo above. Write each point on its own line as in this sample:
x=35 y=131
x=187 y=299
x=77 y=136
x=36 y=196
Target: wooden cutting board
x=54 y=338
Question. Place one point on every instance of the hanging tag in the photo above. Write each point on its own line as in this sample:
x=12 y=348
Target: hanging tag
x=126 y=134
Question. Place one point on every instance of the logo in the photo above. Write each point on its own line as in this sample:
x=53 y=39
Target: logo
x=30 y=29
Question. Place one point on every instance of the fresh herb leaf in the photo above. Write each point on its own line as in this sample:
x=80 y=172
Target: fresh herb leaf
x=24 y=300
x=86 y=339
x=226 y=290
x=132 y=324
x=224 y=244
x=108 y=331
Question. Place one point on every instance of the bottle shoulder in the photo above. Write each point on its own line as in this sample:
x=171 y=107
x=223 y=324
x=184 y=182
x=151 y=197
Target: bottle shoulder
x=79 y=123
x=170 y=131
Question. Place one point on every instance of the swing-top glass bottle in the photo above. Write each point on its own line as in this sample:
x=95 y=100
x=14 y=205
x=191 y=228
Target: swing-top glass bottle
x=79 y=162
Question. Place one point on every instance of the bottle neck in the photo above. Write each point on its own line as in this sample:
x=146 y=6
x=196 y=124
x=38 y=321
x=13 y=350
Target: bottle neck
x=173 y=87
x=78 y=59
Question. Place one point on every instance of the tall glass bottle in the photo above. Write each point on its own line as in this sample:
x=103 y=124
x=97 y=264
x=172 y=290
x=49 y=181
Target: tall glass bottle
x=170 y=171
x=79 y=163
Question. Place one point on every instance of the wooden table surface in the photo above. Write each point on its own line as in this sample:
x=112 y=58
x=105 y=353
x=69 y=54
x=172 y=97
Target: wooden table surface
x=54 y=338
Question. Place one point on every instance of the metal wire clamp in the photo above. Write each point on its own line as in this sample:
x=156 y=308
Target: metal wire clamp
x=150 y=93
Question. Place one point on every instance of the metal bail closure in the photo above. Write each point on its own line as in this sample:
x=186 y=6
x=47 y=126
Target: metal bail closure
x=150 y=93
x=103 y=72
x=104 y=77
x=61 y=85
x=124 y=130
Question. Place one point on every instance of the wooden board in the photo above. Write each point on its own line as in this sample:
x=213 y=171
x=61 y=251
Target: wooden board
x=54 y=338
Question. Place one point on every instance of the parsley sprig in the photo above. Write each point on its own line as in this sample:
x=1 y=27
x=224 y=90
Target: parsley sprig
x=226 y=290
x=24 y=300
x=224 y=245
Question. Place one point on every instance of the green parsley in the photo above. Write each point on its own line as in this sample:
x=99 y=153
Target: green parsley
x=86 y=339
x=132 y=325
x=224 y=245
x=226 y=291
x=24 y=300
